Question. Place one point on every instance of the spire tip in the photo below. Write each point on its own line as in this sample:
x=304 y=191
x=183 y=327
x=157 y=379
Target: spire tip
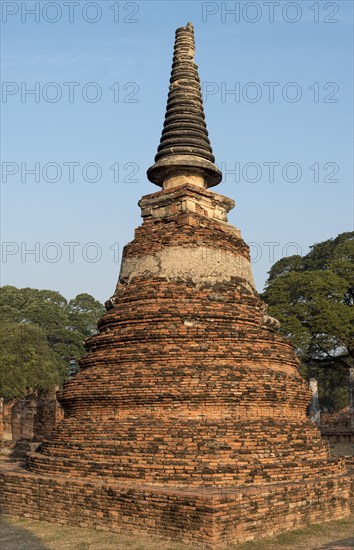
x=188 y=27
x=185 y=154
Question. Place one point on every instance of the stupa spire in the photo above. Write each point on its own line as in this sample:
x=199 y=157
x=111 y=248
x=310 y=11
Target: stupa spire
x=184 y=154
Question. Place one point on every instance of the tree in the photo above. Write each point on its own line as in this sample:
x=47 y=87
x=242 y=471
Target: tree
x=27 y=361
x=58 y=329
x=66 y=324
x=313 y=298
x=84 y=312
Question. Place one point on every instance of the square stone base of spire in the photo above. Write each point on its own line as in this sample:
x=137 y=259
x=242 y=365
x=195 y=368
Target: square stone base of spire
x=211 y=517
x=187 y=198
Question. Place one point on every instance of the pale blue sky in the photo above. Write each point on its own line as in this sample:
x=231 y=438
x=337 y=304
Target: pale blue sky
x=135 y=58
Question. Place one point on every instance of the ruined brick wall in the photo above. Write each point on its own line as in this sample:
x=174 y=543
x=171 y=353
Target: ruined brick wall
x=22 y=419
x=336 y=427
x=48 y=414
x=33 y=418
x=339 y=420
x=6 y=420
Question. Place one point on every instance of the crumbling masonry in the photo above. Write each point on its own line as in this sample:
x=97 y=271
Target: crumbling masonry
x=188 y=417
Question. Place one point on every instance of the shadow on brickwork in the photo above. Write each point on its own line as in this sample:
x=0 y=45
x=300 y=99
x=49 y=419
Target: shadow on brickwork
x=22 y=447
x=17 y=538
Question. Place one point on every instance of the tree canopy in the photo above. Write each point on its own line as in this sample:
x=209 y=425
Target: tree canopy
x=41 y=333
x=313 y=298
x=27 y=362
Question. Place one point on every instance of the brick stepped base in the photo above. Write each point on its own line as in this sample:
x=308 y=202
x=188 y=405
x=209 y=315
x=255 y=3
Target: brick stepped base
x=187 y=451
x=212 y=516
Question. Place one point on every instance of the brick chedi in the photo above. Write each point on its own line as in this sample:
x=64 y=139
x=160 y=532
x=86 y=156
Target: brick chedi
x=188 y=417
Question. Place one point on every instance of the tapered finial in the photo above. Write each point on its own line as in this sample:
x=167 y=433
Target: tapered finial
x=184 y=154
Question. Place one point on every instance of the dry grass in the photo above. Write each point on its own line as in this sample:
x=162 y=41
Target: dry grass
x=28 y=534
x=309 y=538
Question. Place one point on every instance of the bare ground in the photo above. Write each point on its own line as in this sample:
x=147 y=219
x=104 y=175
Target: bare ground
x=29 y=534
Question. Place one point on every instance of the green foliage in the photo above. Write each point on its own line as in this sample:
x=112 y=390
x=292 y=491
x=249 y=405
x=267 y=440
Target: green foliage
x=84 y=312
x=313 y=298
x=27 y=361
x=58 y=328
x=65 y=324
x=333 y=389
